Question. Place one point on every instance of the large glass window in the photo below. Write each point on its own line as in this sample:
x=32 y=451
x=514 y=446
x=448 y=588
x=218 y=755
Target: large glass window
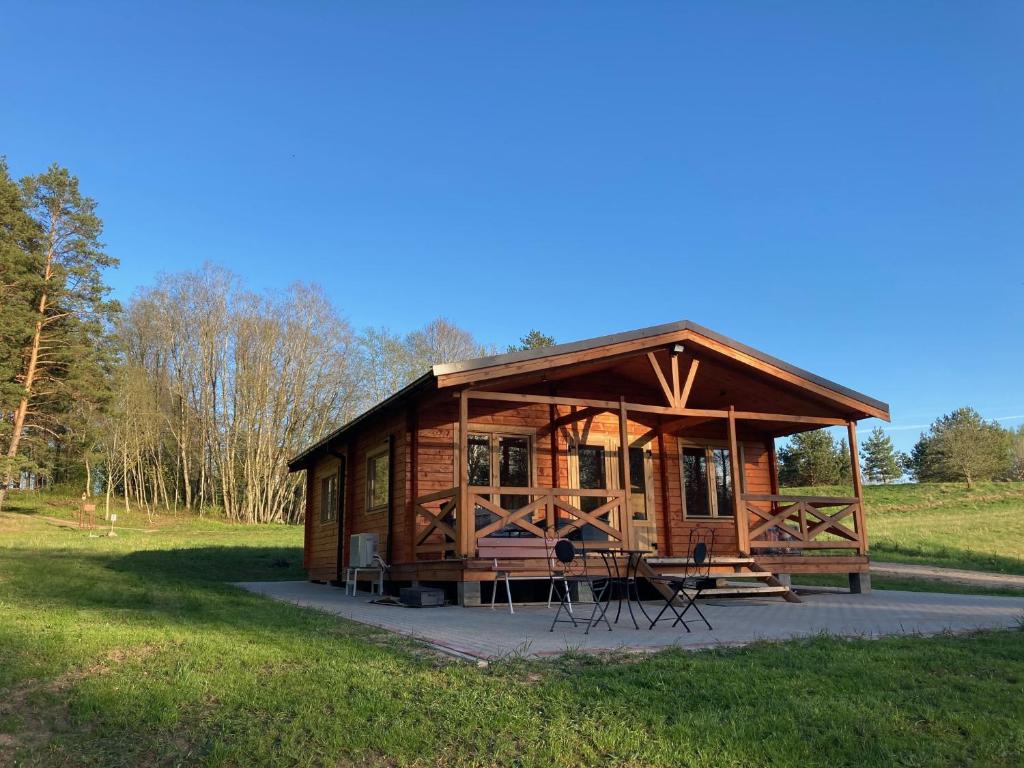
x=377 y=479
x=504 y=461
x=707 y=481
x=479 y=460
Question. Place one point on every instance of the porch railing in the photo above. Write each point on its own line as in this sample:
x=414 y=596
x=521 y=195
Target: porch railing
x=436 y=529
x=440 y=533
x=780 y=522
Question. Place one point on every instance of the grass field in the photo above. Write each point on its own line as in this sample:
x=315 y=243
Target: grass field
x=132 y=651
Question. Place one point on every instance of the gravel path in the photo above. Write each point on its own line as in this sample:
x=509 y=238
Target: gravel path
x=949 y=575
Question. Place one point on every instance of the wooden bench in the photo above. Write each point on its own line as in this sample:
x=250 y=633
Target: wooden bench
x=502 y=549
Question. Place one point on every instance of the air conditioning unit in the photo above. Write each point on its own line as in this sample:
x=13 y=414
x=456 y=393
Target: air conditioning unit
x=362 y=548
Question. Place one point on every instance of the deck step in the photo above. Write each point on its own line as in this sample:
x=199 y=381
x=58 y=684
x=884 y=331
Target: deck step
x=746 y=590
x=759 y=576
x=655 y=561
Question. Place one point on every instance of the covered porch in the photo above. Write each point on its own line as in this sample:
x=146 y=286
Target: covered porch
x=642 y=501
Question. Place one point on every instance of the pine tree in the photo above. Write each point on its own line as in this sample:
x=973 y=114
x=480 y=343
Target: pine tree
x=881 y=464
x=962 y=446
x=533 y=340
x=69 y=311
x=814 y=458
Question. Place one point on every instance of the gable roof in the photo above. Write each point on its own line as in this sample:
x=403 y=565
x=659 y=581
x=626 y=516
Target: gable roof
x=480 y=363
x=497 y=362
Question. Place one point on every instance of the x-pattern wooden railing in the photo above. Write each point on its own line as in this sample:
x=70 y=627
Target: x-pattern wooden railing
x=559 y=513
x=801 y=522
x=439 y=525
x=438 y=537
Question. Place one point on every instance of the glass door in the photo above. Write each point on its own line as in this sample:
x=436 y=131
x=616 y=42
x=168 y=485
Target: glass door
x=592 y=474
x=503 y=461
x=641 y=506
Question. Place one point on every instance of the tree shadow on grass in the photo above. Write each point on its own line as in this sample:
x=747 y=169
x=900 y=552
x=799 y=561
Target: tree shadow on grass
x=214 y=563
x=173 y=589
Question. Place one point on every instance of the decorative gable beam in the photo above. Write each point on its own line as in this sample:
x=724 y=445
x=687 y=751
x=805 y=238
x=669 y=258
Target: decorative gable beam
x=671 y=394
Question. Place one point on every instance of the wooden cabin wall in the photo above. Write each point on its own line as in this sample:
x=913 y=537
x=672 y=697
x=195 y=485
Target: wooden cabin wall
x=360 y=519
x=321 y=538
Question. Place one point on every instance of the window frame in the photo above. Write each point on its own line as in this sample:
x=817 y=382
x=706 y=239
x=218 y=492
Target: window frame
x=328 y=498
x=494 y=432
x=371 y=457
x=708 y=446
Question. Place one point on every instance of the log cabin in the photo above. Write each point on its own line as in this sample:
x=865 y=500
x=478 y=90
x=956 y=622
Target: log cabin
x=630 y=439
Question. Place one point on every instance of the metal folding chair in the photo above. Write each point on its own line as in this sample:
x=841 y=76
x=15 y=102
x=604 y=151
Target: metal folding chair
x=571 y=566
x=696 y=577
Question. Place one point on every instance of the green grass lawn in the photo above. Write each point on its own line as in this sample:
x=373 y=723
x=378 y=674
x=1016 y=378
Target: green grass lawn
x=133 y=651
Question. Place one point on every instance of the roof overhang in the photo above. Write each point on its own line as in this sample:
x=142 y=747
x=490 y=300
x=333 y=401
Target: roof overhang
x=635 y=342
x=480 y=370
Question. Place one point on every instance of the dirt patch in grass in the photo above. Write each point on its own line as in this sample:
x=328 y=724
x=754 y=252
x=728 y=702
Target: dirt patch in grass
x=40 y=707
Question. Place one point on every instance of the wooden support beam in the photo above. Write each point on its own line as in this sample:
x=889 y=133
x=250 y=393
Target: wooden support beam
x=625 y=518
x=671 y=393
x=666 y=545
x=413 y=486
x=466 y=519
x=676 y=397
x=739 y=509
x=858 y=490
x=611 y=405
x=549 y=509
x=690 y=376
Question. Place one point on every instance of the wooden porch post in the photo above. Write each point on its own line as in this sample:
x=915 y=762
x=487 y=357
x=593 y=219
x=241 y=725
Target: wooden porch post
x=738 y=507
x=549 y=508
x=465 y=520
x=625 y=517
x=858 y=490
x=666 y=547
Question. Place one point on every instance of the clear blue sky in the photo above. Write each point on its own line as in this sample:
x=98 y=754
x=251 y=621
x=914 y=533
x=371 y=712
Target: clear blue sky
x=839 y=184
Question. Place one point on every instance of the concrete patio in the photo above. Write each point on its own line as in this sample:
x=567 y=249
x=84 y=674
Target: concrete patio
x=482 y=633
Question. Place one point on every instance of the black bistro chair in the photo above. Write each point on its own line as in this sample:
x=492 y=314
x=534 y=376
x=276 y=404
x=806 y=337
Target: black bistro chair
x=695 y=578
x=570 y=566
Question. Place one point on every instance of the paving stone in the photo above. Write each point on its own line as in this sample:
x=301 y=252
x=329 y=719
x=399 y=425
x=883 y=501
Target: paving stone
x=485 y=634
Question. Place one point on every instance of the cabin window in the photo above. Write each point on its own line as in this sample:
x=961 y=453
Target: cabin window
x=329 y=499
x=505 y=461
x=707 y=481
x=377 y=479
